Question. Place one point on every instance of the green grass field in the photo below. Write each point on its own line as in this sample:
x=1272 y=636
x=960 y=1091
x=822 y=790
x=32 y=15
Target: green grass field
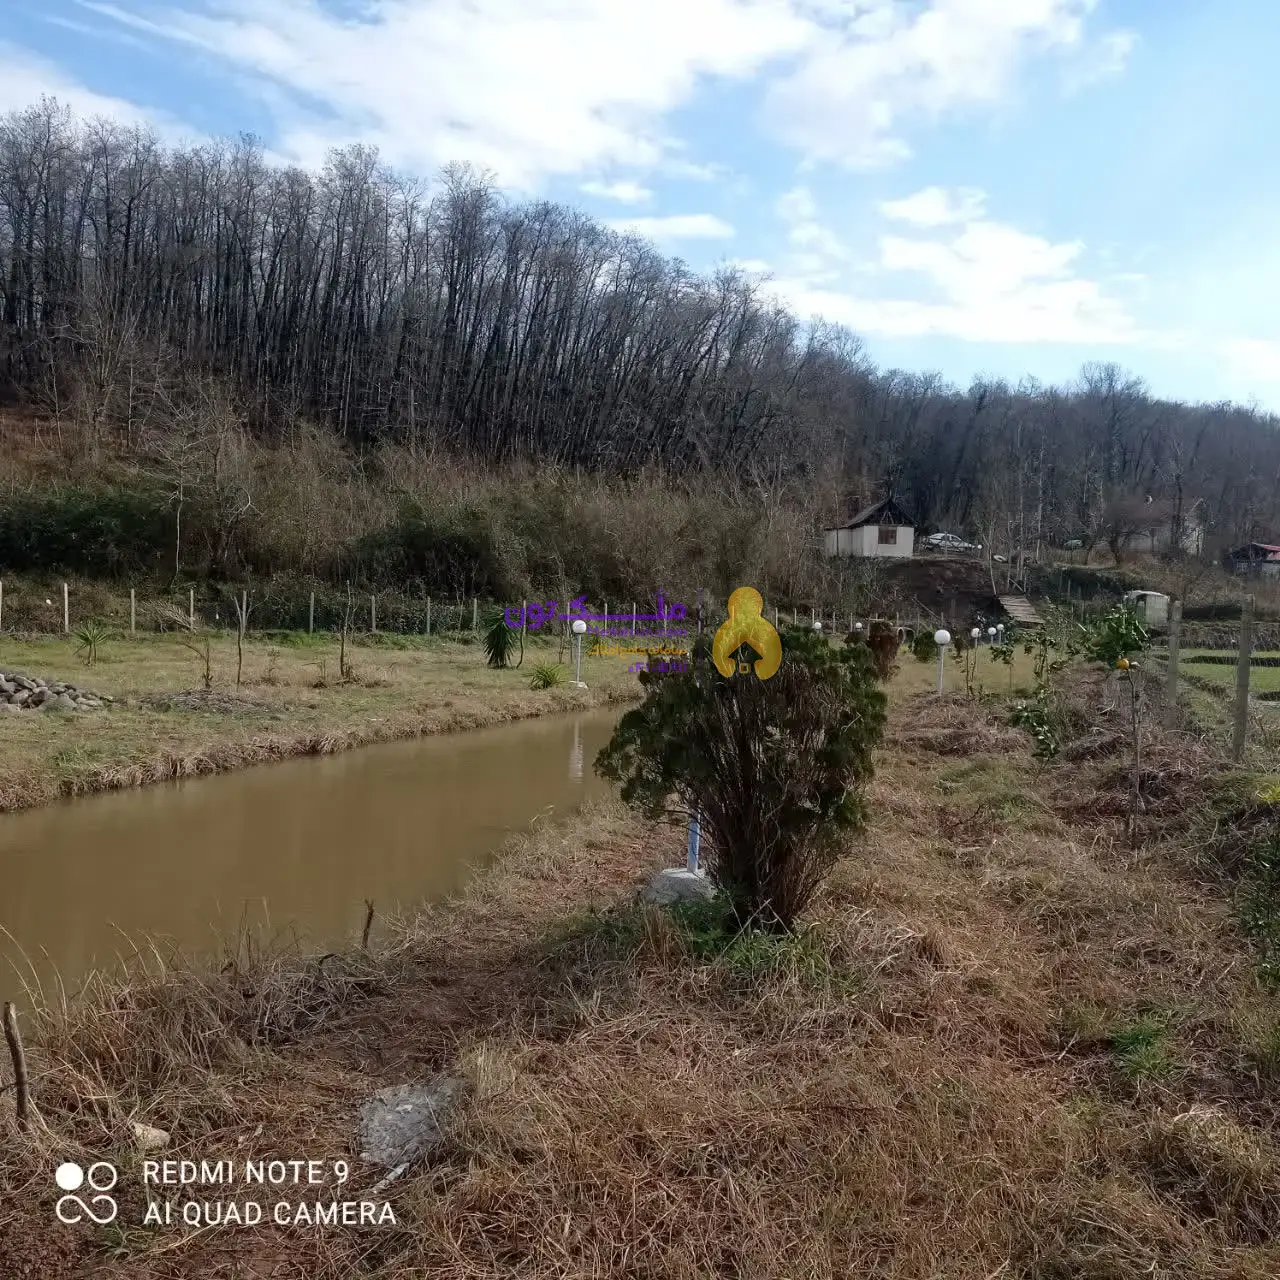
x=291 y=701
x=1261 y=679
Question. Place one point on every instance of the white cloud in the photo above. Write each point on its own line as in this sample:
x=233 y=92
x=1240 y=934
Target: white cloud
x=623 y=192
x=679 y=226
x=1101 y=59
x=526 y=88
x=27 y=77
x=1255 y=359
x=936 y=207
x=816 y=250
x=532 y=88
x=973 y=278
x=882 y=64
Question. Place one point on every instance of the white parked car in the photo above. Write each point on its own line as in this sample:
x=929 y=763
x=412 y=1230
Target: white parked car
x=948 y=542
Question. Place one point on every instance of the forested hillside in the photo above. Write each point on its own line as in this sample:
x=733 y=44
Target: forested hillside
x=175 y=308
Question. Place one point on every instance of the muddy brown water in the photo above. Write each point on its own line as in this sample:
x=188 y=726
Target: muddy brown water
x=281 y=849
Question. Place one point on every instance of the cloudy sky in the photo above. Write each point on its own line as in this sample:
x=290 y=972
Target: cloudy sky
x=975 y=186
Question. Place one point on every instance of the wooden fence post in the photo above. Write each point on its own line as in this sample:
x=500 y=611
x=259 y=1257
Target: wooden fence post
x=1175 y=637
x=633 y=617
x=66 y=611
x=133 y=611
x=373 y=613
x=1242 y=680
x=21 y=1084
x=475 y=614
x=428 y=615
x=311 y=615
x=1 y=604
x=191 y=609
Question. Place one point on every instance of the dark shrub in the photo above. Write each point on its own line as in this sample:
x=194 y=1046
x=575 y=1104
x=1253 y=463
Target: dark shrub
x=883 y=643
x=925 y=647
x=776 y=768
x=78 y=531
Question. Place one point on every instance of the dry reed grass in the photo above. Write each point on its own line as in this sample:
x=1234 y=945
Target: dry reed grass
x=1009 y=1048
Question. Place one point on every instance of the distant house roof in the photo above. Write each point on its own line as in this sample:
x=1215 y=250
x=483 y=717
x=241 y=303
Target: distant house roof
x=1256 y=551
x=886 y=512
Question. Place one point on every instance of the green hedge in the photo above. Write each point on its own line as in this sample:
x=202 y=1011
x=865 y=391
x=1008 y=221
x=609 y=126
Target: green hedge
x=78 y=531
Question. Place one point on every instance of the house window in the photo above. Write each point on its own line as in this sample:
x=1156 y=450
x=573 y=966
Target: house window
x=887 y=535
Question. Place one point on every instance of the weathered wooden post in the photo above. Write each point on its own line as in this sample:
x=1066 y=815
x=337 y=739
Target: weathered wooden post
x=66 y=611
x=1171 y=676
x=428 y=615
x=1 y=604
x=21 y=1085
x=475 y=614
x=373 y=613
x=633 y=617
x=191 y=609
x=1242 y=680
x=311 y=615
x=133 y=611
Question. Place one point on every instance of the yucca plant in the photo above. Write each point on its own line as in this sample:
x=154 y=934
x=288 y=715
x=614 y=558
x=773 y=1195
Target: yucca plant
x=546 y=675
x=90 y=635
x=500 y=640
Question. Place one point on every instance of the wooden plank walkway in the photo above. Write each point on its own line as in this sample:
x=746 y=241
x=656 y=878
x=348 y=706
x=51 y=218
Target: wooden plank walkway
x=1021 y=610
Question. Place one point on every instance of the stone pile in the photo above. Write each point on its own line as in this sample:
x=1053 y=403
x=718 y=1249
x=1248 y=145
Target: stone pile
x=29 y=693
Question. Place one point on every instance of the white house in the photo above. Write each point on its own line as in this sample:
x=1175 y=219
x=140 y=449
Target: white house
x=883 y=529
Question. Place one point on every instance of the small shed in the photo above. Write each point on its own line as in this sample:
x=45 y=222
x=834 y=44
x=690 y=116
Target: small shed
x=1152 y=607
x=1261 y=558
x=883 y=529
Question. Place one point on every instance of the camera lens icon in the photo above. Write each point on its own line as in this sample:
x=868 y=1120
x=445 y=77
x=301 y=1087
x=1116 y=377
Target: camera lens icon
x=101 y=1177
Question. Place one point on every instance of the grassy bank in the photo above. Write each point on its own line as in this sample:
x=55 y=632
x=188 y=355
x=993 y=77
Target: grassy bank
x=1006 y=1045
x=290 y=702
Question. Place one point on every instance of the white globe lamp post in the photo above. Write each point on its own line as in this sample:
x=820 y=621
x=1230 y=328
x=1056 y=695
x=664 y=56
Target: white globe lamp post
x=941 y=638
x=991 y=635
x=579 y=629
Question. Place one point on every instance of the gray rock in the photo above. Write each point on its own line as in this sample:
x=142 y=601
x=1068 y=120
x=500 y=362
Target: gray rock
x=677 y=884
x=8 y=708
x=58 y=702
x=6 y=686
x=21 y=698
x=24 y=682
x=406 y=1122
x=39 y=696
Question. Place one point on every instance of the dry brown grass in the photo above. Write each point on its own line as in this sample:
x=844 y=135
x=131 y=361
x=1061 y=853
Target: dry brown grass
x=1006 y=1046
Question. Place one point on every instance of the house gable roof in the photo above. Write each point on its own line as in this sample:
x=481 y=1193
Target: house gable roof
x=885 y=512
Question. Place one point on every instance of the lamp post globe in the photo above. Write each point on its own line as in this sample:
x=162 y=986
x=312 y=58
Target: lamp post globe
x=942 y=638
x=976 y=633
x=579 y=628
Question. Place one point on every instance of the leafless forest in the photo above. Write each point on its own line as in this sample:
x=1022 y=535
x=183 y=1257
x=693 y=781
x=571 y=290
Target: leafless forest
x=177 y=318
